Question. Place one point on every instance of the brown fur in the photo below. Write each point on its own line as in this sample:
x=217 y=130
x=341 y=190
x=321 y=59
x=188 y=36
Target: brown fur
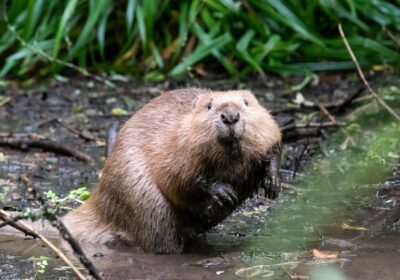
x=148 y=186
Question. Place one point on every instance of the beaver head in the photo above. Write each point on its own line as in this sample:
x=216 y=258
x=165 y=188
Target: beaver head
x=223 y=115
x=233 y=121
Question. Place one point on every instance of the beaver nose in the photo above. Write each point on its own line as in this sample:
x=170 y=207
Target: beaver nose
x=230 y=116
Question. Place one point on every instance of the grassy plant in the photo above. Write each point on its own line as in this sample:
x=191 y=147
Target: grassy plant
x=77 y=195
x=40 y=264
x=161 y=38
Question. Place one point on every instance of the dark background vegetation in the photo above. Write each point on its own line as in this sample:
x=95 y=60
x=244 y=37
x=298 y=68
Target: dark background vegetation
x=164 y=38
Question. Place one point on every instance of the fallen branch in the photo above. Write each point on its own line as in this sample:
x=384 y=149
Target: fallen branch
x=360 y=72
x=333 y=120
x=294 y=126
x=299 y=158
x=13 y=221
x=24 y=141
x=294 y=131
x=5 y=101
x=325 y=111
x=335 y=106
x=21 y=226
x=66 y=235
x=84 y=134
x=50 y=215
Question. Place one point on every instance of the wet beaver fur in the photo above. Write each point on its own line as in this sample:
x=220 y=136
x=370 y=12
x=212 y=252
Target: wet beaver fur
x=179 y=166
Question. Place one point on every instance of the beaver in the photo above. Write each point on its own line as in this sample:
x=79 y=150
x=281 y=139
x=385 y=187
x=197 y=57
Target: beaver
x=178 y=167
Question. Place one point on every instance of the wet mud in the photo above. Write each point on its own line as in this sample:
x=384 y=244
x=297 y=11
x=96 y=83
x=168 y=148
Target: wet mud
x=91 y=108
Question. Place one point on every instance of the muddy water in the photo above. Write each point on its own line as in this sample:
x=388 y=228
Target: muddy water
x=341 y=205
x=346 y=205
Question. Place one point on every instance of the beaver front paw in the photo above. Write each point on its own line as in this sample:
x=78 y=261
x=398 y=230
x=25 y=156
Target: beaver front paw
x=272 y=184
x=222 y=194
x=213 y=201
x=272 y=187
x=215 y=193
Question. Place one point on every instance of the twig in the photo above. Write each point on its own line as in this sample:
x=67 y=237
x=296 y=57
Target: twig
x=327 y=114
x=360 y=72
x=363 y=98
x=84 y=135
x=297 y=162
x=294 y=126
x=49 y=214
x=346 y=102
x=29 y=231
x=66 y=235
x=24 y=141
x=288 y=186
x=293 y=131
x=5 y=101
x=13 y=221
x=333 y=120
x=321 y=237
x=391 y=36
x=295 y=276
x=335 y=106
x=288 y=172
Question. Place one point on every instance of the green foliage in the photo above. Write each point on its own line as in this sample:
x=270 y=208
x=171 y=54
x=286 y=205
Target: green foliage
x=40 y=263
x=74 y=195
x=82 y=193
x=161 y=38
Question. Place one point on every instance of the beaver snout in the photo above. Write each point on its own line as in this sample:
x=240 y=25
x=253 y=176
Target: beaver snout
x=230 y=116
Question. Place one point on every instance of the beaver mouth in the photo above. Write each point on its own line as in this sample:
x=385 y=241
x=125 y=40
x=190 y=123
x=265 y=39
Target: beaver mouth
x=229 y=136
x=231 y=147
x=230 y=141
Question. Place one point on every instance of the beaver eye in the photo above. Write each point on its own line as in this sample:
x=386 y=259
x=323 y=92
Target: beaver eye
x=209 y=105
x=246 y=102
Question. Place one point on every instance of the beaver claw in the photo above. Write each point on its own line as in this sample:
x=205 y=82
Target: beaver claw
x=223 y=201
x=272 y=184
x=213 y=200
x=272 y=187
x=223 y=193
x=219 y=193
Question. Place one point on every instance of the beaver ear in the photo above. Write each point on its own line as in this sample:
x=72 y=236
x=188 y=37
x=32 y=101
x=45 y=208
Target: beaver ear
x=249 y=97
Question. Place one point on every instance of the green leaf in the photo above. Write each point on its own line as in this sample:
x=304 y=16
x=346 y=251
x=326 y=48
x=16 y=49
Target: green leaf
x=35 y=8
x=183 y=25
x=288 y=18
x=84 y=195
x=157 y=56
x=101 y=31
x=200 y=53
x=205 y=40
x=119 y=112
x=96 y=9
x=130 y=14
x=68 y=12
x=141 y=24
x=244 y=42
